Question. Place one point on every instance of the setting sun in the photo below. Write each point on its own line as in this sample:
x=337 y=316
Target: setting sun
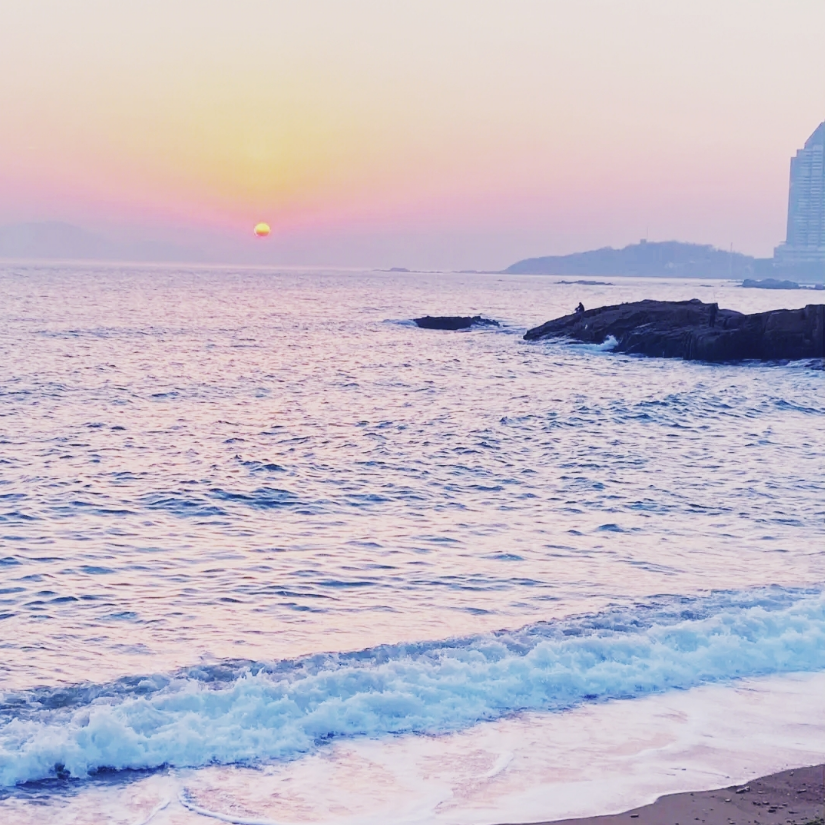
x=487 y=490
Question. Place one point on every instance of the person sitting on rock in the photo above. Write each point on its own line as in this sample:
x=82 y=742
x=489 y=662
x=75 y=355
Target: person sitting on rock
x=580 y=308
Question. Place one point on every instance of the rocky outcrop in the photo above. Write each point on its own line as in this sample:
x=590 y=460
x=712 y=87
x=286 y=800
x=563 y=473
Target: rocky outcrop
x=454 y=322
x=769 y=283
x=695 y=331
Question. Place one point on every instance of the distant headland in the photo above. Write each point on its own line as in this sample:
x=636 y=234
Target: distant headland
x=800 y=257
x=668 y=259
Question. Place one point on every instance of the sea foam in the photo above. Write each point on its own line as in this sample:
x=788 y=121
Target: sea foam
x=246 y=712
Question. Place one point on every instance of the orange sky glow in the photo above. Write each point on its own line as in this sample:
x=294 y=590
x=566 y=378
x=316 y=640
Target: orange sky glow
x=456 y=133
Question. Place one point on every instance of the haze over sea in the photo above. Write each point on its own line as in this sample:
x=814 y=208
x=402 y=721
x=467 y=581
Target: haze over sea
x=261 y=539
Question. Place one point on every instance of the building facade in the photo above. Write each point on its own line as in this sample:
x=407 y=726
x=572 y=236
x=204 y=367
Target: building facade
x=804 y=246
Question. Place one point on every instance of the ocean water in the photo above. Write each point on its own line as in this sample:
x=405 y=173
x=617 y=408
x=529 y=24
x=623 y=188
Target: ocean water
x=270 y=553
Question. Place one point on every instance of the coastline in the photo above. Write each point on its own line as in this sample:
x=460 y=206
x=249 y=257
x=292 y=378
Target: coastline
x=790 y=797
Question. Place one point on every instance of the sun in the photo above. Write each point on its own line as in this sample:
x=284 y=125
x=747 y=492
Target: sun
x=262 y=230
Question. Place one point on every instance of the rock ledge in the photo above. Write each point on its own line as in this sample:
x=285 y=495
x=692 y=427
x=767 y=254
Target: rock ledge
x=694 y=330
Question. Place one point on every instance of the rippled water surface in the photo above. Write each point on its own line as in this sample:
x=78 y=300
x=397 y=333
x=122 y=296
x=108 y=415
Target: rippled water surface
x=201 y=465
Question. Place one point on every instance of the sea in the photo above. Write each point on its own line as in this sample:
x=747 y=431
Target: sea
x=270 y=554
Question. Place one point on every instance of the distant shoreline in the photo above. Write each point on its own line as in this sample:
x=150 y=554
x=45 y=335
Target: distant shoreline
x=665 y=259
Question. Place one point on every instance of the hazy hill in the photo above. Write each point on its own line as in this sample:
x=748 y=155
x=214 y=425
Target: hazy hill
x=50 y=240
x=53 y=239
x=669 y=259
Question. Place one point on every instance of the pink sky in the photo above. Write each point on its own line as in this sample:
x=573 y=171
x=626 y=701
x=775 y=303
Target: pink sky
x=457 y=133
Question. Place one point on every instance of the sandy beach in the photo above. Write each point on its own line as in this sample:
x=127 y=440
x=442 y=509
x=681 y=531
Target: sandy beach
x=793 y=797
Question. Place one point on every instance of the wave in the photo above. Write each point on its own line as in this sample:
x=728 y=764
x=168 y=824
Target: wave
x=608 y=345
x=248 y=712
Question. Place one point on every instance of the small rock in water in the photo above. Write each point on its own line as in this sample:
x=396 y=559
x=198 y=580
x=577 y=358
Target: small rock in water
x=454 y=322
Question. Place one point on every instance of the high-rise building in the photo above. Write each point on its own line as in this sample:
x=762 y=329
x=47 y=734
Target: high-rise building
x=804 y=247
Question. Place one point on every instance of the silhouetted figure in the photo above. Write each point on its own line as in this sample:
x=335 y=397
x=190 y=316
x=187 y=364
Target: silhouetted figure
x=580 y=308
x=714 y=308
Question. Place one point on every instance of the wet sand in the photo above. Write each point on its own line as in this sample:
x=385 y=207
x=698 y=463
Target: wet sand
x=793 y=797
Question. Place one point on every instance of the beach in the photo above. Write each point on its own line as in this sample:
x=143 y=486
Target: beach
x=793 y=797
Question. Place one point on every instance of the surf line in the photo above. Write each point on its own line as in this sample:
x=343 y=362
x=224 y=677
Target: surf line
x=234 y=820
x=162 y=807
x=187 y=803
x=501 y=764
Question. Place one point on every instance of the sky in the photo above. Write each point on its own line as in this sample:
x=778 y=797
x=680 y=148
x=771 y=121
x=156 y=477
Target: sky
x=425 y=133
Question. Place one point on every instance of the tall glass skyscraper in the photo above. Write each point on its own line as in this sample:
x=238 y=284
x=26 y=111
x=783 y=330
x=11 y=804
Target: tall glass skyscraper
x=804 y=247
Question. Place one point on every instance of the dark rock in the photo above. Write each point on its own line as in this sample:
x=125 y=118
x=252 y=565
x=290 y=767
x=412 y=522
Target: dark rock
x=769 y=283
x=695 y=331
x=586 y=283
x=454 y=322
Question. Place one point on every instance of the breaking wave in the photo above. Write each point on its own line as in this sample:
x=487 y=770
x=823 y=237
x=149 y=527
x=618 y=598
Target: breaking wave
x=247 y=712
